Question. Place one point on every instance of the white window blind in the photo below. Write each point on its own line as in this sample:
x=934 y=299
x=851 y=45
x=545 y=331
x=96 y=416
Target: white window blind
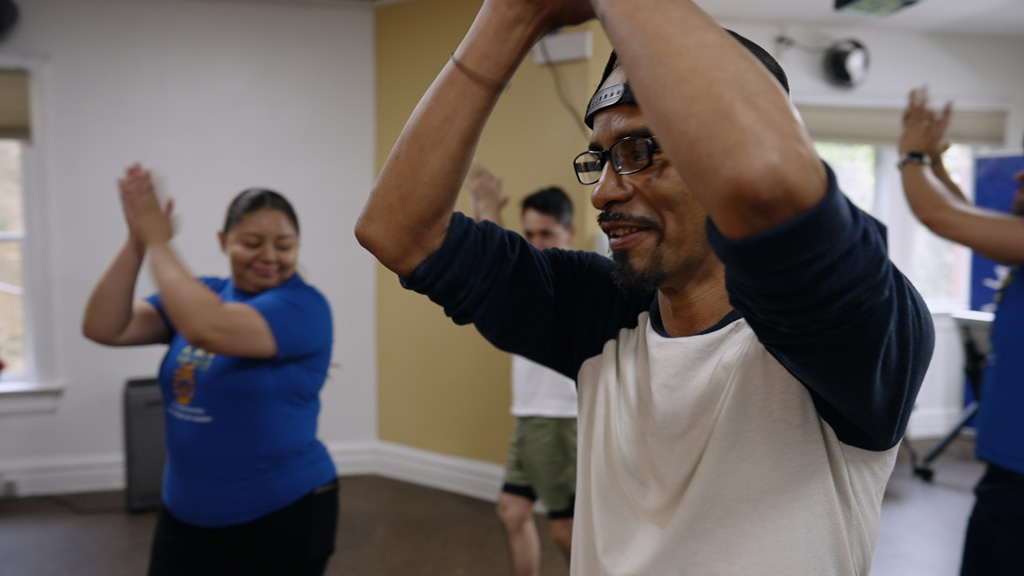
x=14 y=105
x=884 y=125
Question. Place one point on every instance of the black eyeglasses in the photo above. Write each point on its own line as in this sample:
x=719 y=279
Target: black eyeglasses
x=629 y=155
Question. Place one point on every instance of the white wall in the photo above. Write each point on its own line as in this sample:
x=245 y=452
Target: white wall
x=216 y=97
x=975 y=72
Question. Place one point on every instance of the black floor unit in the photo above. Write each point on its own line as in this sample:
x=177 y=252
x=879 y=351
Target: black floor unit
x=143 y=444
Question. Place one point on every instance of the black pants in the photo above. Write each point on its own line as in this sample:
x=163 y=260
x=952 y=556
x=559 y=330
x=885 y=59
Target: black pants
x=995 y=533
x=294 y=541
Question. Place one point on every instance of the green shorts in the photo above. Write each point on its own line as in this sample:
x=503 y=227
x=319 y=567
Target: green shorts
x=541 y=463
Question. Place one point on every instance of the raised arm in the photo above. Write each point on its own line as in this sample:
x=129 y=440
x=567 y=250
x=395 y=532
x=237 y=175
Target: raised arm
x=112 y=315
x=924 y=133
x=938 y=202
x=197 y=313
x=407 y=214
x=485 y=191
x=724 y=122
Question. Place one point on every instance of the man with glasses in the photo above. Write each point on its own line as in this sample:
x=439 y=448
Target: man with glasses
x=747 y=363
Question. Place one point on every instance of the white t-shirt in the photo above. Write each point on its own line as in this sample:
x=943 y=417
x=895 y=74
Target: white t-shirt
x=540 y=391
x=703 y=455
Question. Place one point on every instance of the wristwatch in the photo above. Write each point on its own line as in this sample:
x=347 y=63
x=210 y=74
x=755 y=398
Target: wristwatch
x=913 y=158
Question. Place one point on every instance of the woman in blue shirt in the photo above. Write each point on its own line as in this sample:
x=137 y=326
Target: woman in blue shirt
x=248 y=488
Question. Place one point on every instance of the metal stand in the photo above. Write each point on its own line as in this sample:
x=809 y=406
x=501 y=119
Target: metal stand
x=974 y=327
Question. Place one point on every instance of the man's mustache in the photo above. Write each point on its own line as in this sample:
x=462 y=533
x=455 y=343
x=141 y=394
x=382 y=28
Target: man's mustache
x=623 y=217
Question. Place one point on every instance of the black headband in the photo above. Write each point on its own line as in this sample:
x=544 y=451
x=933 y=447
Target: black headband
x=611 y=96
x=621 y=94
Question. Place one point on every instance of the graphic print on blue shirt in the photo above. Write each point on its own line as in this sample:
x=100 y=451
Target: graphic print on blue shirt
x=183 y=384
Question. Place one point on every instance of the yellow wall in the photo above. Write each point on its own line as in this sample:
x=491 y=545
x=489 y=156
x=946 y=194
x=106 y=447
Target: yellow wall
x=442 y=387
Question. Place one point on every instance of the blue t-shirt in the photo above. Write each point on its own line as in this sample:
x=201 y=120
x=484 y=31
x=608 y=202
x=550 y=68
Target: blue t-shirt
x=1000 y=421
x=241 y=432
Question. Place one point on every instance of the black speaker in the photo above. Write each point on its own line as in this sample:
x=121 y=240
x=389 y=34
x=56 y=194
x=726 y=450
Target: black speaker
x=8 y=17
x=143 y=444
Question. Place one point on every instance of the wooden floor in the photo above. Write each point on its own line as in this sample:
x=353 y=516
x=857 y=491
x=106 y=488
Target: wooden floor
x=390 y=528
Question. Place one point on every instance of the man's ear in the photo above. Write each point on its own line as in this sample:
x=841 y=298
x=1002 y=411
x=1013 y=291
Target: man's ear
x=572 y=232
x=220 y=238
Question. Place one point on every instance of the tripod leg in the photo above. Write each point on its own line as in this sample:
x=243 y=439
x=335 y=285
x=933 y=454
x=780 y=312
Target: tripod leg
x=973 y=366
x=924 y=471
x=969 y=413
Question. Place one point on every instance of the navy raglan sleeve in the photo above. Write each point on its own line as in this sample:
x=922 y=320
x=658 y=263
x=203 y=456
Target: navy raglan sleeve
x=555 y=307
x=823 y=297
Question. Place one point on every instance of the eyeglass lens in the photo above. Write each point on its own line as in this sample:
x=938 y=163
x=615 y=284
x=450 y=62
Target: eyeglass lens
x=588 y=167
x=628 y=155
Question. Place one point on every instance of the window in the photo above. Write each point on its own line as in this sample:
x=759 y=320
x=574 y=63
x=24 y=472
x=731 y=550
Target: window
x=939 y=269
x=860 y=146
x=12 y=235
x=29 y=381
x=854 y=165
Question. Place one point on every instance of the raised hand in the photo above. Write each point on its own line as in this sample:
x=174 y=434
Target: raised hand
x=924 y=129
x=148 y=223
x=485 y=192
x=550 y=14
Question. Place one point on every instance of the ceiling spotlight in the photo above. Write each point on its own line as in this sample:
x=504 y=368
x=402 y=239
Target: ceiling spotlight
x=846 y=63
x=8 y=16
x=873 y=7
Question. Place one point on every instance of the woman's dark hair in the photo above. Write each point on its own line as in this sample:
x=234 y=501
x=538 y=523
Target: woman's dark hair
x=253 y=199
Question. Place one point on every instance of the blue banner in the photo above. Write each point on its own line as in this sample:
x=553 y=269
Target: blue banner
x=994 y=188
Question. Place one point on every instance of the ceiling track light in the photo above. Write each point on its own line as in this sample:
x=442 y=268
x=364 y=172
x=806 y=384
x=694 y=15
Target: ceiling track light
x=873 y=7
x=8 y=17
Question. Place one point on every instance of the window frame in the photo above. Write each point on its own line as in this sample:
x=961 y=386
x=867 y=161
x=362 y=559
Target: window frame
x=39 y=387
x=889 y=206
x=19 y=239
x=879 y=125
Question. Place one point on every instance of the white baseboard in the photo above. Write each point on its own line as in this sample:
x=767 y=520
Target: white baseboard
x=63 y=475
x=473 y=478
x=459 y=475
x=932 y=422
x=354 y=458
x=75 y=474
